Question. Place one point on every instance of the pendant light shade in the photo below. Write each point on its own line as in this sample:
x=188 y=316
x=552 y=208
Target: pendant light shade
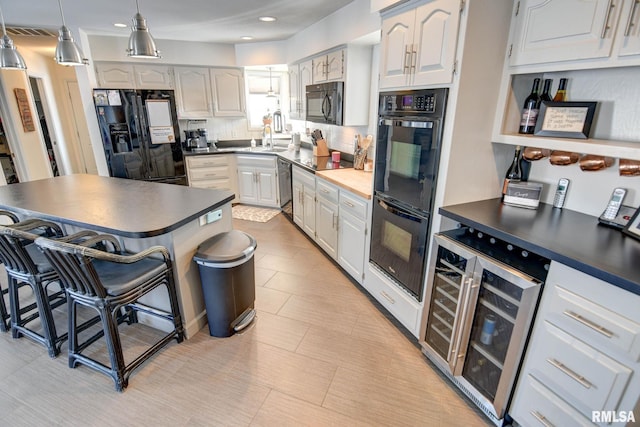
x=271 y=93
x=67 y=51
x=141 y=44
x=10 y=58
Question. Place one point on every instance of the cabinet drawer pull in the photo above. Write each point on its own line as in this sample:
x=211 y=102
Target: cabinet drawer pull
x=543 y=420
x=388 y=297
x=351 y=205
x=588 y=323
x=627 y=29
x=576 y=377
x=325 y=191
x=210 y=174
x=606 y=20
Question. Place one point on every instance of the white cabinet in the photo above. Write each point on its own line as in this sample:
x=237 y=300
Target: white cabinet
x=228 y=92
x=329 y=67
x=119 y=75
x=304 y=200
x=419 y=45
x=327 y=217
x=258 y=180
x=352 y=234
x=294 y=91
x=215 y=171
x=547 y=31
x=583 y=354
x=193 y=92
x=300 y=75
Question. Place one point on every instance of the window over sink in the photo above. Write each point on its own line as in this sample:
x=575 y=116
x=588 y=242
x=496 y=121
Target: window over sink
x=259 y=83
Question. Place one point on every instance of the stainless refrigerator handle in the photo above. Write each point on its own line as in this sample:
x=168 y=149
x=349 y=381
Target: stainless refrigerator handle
x=464 y=316
x=453 y=350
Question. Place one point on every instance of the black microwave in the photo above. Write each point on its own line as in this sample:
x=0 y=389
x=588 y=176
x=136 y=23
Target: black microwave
x=324 y=103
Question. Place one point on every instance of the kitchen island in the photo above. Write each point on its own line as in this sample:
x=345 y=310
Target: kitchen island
x=141 y=214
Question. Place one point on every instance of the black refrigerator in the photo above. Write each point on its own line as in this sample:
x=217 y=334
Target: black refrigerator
x=140 y=134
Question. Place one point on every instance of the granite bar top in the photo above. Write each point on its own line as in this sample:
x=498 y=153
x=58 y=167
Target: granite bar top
x=569 y=237
x=125 y=207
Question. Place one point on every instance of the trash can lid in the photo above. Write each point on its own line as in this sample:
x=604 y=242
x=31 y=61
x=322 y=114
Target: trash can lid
x=227 y=247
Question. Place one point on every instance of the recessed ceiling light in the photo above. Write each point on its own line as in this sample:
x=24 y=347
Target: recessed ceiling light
x=267 y=18
x=120 y=25
x=246 y=38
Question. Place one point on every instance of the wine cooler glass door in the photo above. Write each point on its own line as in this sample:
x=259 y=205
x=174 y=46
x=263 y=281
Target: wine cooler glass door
x=506 y=301
x=451 y=270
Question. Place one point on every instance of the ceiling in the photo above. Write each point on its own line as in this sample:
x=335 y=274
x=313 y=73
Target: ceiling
x=217 y=21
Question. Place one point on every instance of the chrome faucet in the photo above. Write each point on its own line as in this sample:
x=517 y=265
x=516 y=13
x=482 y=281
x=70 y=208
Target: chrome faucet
x=267 y=136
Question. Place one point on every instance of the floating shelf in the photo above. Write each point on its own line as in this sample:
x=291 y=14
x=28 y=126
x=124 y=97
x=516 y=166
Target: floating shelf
x=602 y=147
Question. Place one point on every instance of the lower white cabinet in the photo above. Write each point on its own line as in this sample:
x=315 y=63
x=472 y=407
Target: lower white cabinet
x=212 y=171
x=304 y=200
x=352 y=236
x=258 y=180
x=327 y=217
x=583 y=357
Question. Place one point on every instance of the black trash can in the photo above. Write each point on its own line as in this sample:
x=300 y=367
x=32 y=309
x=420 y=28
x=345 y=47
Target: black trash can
x=227 y=274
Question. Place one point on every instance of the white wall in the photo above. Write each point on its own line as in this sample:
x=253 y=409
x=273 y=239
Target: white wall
x=105 y=48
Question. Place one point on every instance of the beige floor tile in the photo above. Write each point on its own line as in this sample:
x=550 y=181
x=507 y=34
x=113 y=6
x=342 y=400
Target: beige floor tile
x=278 y=331
x=263 y=275
x=303 y=377
x=270 y=300
x=319 y=311
x=286 y=411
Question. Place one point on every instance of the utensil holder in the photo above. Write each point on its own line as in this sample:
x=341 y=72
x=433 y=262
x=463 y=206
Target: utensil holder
x=320 y=148
x=359 y=159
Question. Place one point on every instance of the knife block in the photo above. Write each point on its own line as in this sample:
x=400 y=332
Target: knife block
x=320 y=148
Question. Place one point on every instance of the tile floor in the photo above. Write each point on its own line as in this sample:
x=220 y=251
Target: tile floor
x=321 y=353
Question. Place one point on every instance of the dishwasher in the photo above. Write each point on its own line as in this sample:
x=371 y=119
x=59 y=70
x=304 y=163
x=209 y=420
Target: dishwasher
x=285 y=187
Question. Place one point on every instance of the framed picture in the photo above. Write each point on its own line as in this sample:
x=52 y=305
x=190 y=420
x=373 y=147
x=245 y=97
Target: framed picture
x=633 y=226
x=565 y=119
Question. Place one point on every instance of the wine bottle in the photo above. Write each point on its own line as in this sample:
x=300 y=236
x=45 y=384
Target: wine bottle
x=530 y=109
x=545 y=90
x=561 y=94
x=514 y=173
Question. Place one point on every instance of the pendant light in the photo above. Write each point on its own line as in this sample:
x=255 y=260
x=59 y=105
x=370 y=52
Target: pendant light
x=271 y=93
x=10 y=58
x=141 y=44
x=67 y=51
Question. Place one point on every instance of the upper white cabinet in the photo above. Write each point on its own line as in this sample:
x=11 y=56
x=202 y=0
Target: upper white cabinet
x=193 y=92
x=419 y=45
x=300 y=75
x=117 y=75
x=228 y=92
x=329 y=67
x=596 y=33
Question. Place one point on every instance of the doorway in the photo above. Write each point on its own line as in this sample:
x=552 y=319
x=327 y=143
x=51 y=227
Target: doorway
x=42 y=111
x=87 y=158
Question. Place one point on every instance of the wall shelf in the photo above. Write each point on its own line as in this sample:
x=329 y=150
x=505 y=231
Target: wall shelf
x=602 y=147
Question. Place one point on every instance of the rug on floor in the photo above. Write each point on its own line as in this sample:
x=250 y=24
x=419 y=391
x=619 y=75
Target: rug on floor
x=253 y=213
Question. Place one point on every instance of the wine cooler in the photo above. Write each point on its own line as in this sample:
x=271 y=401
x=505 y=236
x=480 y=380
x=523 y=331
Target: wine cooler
x=481 y=300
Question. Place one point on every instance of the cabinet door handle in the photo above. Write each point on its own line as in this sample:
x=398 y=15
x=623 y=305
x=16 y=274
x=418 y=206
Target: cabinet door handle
x=414 y=59
x=407 y=59
x=627 y=29
x=588 y=323
x=543 y=420
x=606 y=19
x=573 y=375
x=387 y=297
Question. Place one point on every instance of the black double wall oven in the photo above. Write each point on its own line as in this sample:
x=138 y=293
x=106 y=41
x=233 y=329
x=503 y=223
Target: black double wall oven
x=406 y=168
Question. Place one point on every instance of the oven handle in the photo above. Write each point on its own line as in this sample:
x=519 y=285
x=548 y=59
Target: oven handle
x=408 y=123
x=397 y=211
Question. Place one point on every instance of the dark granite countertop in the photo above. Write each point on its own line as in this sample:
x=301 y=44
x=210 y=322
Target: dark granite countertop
x=562 y=235
x=119 y=206
x=303 y=158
